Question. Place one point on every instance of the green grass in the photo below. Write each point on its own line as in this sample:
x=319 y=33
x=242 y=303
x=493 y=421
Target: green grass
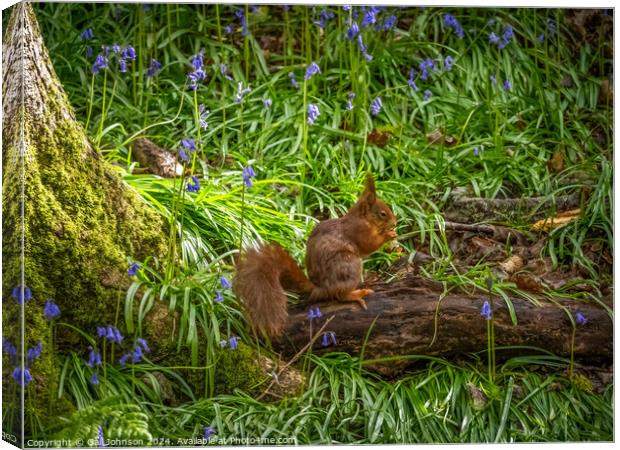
x=306 y=173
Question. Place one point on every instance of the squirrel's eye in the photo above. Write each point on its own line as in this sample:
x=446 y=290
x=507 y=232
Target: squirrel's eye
x=383 y=214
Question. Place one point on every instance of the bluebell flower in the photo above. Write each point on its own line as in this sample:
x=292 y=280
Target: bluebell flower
x=94 y=358
x=153 y=69
x=370 y=16
x=116 y=48
x=34 y=352
x=123 y=65
x=426 y=65
x=291 y=75
x=136 y=355
x=580 y=319
x=113 y=334
x=193 y=185
x=353 y=30
x=133 y=269
x=493 y=38
x=477 y=150
x=100 y=438
x=507 y=85
x=351 y=96
x=233 y=342
x=267 y=103
x=328 y=337
x=142 y=343
x=87 y=34
x=102 y=331
x=94 y=379
x=223 y=280
x=375 y=106
x=51 y=310
x=286 y=7
x=411 y=81
x=224 y=72
x=448 y=62
x=450 y=21
x=198 y=61
x=240 y=13
x=427 y=95
x=325 y=340
x=248 y=174
x=324 y=16
x=101 y=62
x=346 y=7
x=129 y=53
x=254 y=9
x=368 y=56
x=189 y=144
x=228 y=29
x=202 y=115
x=507 y=34
x=361 y=44
x=9 y=348
x=312 y=69
x=493 y=80
x=314 y=313
x=541 y=38
x=89 y=52
x=485 y=311
x=17 y=376
x=194 y=77
x=313 y=113
x=124 y=359
x=241 y=92
x=17 y=294
x=208 y=432
x=219 y=298
x=223 y=343
x=389 y=23
x=551 y=27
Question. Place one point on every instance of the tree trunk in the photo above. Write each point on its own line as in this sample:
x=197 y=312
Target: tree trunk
x=413 y=317
x=81 y=224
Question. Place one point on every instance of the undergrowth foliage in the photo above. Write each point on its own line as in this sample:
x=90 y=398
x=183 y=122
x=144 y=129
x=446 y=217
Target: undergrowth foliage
x=275 y=114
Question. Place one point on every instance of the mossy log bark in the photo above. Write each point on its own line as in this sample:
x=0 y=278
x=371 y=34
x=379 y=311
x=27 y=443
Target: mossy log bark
x=415 y=316
x=80 y=224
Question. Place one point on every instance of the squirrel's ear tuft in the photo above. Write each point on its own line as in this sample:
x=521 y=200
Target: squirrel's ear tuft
x=369 y=195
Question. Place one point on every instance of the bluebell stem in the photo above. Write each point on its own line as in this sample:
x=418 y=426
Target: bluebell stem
x=375 y=106
x=313 y=113
x=248 y=174
x=294 y=82
x=133 y=269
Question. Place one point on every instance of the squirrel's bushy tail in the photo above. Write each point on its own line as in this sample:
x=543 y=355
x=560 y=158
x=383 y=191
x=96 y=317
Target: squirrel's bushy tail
x=262 y=277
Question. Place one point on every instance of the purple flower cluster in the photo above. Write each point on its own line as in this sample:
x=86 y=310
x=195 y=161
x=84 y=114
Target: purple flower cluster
x=51 y=310
x=313 y=113
x=17 y=294
x=140 y=347
x=232 y=343
x=375 y=106
x=153 y=69
x=240 y=13
x=21 y=374
x=314 y=313
x=312 y=69
x=450 y=21
x=123 y=54
x=504 y=40
x=189 y=146
x=87 y=34
x=426 y=65
x=324 y=16
x=133 y=269
x=328 y=337
x=193 y=185
x=248 y=174
x=110 y=333
x=198 y=73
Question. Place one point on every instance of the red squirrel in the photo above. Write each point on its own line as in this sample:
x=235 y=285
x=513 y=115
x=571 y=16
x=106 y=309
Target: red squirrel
x=334 y=254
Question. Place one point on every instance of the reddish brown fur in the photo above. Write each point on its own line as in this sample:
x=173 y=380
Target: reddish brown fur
x=334 y=256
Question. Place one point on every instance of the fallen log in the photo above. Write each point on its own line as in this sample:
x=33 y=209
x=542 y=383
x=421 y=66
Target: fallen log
x=412 y=317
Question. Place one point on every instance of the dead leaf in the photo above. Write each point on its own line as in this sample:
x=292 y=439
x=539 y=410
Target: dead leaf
x=437 y=137
x=556 y=163
x=512 y=264
x=561 y=219
x=378 y=138
x=528 y=282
